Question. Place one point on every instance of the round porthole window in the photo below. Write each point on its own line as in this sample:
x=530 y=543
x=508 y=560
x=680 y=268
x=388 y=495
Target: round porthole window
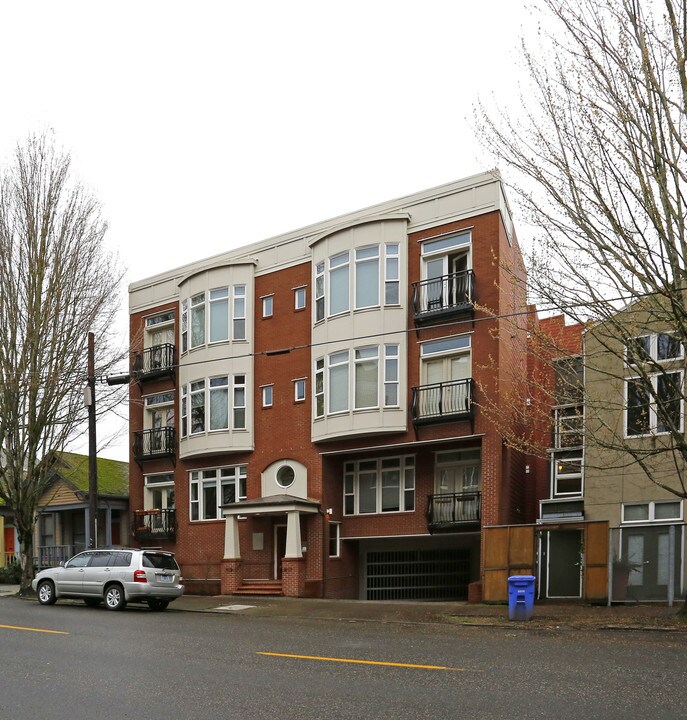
x=285 y=476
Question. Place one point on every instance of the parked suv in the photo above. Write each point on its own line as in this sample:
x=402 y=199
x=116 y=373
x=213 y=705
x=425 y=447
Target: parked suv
x=115 y=576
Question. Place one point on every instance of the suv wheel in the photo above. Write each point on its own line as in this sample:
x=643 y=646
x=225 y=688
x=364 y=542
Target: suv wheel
x=46 y=593
x=114 y=597
x=155 y=604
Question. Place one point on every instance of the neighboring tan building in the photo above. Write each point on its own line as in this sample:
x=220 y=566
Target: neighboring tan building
x=629 y=428
x=305 y=411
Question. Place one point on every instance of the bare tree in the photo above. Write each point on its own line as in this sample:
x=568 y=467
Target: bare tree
x=57 y=283
x=599 y=168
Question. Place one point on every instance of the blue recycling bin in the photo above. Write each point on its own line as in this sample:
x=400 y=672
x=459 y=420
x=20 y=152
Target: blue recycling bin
x=520 y=597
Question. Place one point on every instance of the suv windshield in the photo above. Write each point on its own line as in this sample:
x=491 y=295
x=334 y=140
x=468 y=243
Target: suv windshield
x=160 y=561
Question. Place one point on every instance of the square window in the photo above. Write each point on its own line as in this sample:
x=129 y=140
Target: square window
x=299 y=298
x=267 y=306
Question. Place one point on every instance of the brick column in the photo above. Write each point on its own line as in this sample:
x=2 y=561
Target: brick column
x=231 y=576
x=293 y=577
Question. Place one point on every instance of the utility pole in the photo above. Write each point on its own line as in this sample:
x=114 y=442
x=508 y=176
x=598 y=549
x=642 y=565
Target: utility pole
x=92 y=466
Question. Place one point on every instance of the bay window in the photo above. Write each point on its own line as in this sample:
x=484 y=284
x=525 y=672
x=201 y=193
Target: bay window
x=338 y=283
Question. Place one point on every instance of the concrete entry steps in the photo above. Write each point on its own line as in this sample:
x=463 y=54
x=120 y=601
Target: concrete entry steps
x=260 y=587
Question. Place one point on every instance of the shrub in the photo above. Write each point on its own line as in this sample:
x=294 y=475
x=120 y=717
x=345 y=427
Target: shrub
x=11 y=574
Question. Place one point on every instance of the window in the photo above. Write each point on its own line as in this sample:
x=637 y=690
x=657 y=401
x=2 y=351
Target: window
x=267 y=395
x=367 y=276
x=198 y=320
x=184 y=410
x=219 y=315
x=656 y=348
x=391 y=274
x=210 y=489
x=159 y=415
x=285 y=476
x=197 y=407
x=239 y=316
x=159 y=492
x=379 y=486
x=299 y=298
x=446 y=369
x=267 y=306
x=652 y=511
x=569 y=379
x=366 y=377
x=338 y=283
x=319 y=292
x=391 y=376
x=239 y=404
x=334 y=539
x=654 y=405
x=361 y=389
x=219 y=403
x=446 y=282
x=338 y=381
x=567 y=473
x=299 y=390
x=568 y=426
x=159 y=331
x=184 y=326
x=319 y=388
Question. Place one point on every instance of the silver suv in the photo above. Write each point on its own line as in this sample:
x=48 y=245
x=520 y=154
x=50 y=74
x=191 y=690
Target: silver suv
x=115 y=576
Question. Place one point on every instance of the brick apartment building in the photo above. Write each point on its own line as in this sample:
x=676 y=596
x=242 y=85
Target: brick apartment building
x=305 y=411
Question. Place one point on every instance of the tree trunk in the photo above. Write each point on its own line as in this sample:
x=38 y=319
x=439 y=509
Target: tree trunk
x=26 y=562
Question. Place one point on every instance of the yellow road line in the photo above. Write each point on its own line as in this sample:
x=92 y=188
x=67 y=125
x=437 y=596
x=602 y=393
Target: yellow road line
x=28 y=629
x=364 y=662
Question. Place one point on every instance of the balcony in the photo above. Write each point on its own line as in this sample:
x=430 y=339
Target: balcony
x=152 y=444
x=442 y=402
x=443 y=297
x=154 y=524
x=449 y=512
x=154 y=362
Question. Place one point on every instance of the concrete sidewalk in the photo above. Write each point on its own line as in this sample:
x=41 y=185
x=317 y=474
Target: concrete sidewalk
x=546 y=615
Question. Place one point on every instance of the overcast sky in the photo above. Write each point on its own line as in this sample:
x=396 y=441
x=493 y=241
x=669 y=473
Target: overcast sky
x=205 y=125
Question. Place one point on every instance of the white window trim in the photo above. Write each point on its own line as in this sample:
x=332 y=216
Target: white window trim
x=264 y=391
x=653 y=350
x=653 y=415
x=406 y=463
x=652 y=513
x=240 y=473
x=302 y=382
x=300 y=292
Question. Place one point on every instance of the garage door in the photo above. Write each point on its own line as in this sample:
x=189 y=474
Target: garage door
x=418 y=574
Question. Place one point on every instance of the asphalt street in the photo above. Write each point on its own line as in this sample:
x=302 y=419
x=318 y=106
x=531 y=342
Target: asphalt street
x=73 y=662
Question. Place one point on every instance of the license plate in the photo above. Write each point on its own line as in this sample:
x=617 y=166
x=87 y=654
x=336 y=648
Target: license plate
x=165 y=578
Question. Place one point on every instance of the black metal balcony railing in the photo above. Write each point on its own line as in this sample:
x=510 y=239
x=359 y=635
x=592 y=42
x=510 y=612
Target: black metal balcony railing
x=149 y=444
x=447 y=511
x=154 y=362
x=443 y=401
x=445 y=295
x=154 y=524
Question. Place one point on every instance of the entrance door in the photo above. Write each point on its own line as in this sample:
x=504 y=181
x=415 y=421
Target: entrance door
x=564 y=571
x=647 y=550
x=279 y=549
x=9 y=544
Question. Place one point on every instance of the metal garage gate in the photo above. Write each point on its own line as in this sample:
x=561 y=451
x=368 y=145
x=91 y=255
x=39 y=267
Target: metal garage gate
x=418 y=574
